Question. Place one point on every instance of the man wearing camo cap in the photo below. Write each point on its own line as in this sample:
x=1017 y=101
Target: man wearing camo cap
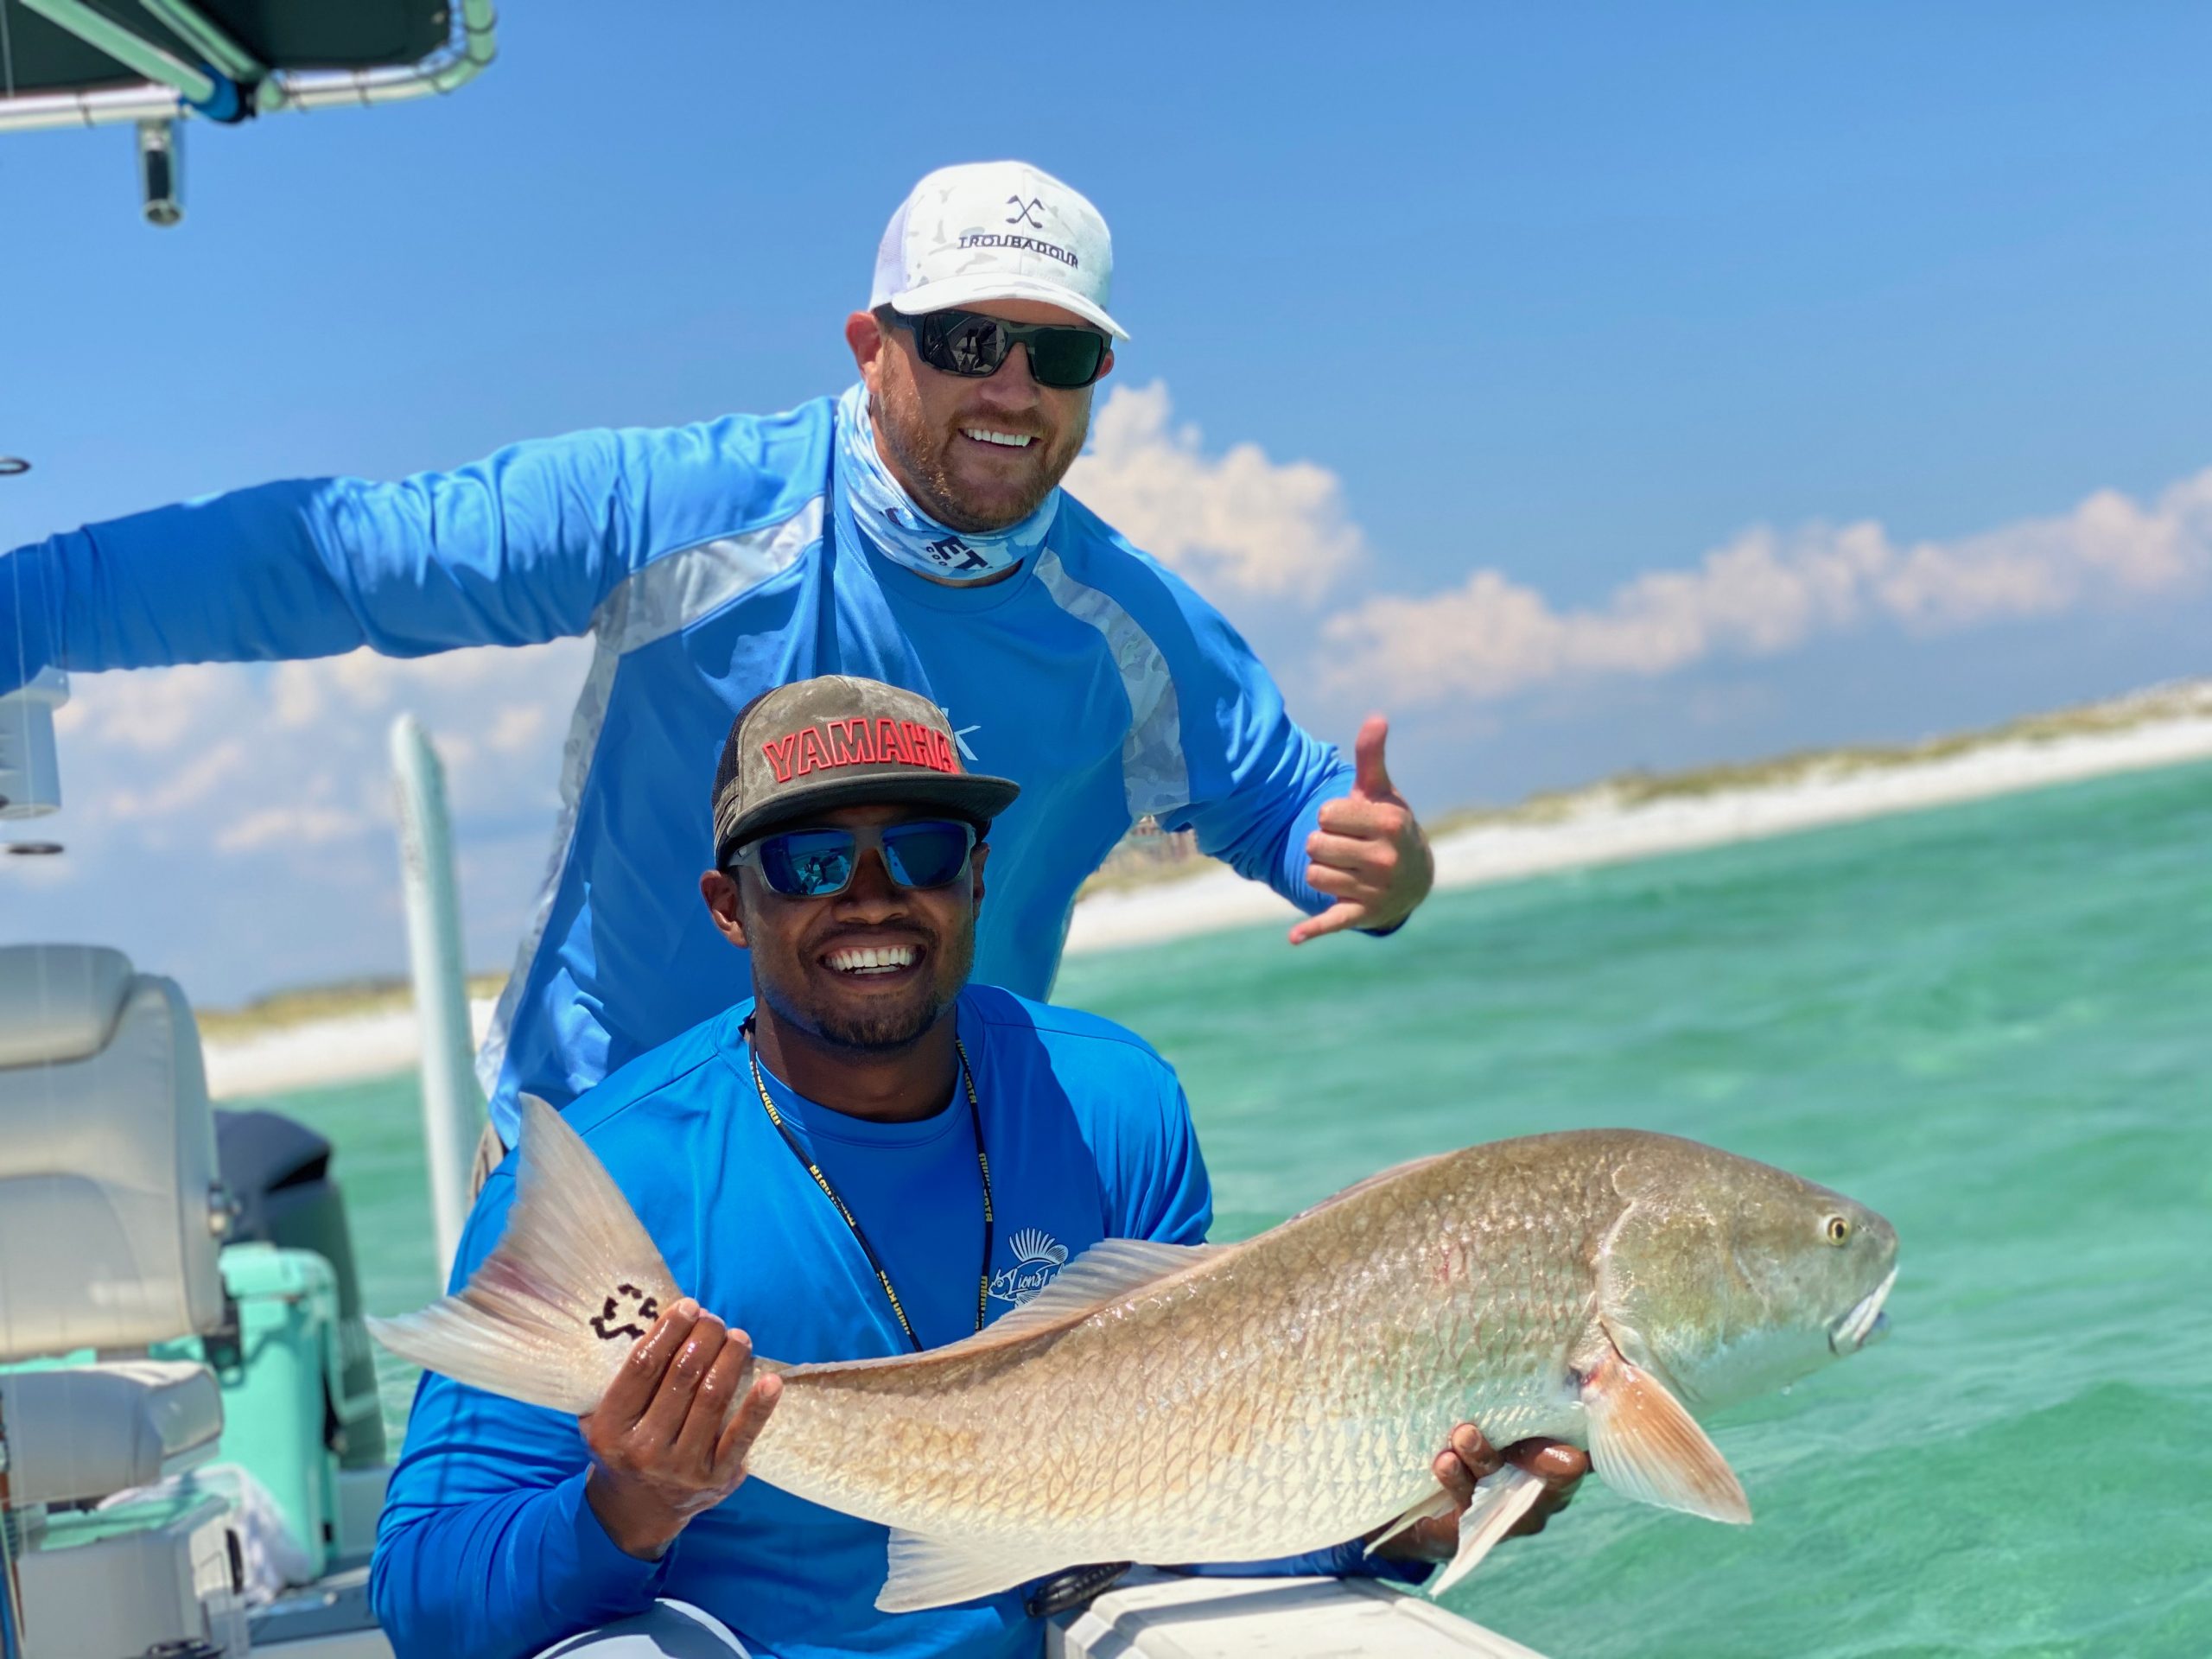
x=817 y=1162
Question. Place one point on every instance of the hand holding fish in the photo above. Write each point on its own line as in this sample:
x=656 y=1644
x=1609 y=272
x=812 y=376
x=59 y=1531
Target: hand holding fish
x=664 y=1444
x=1369 y=854
x=1468 y=1460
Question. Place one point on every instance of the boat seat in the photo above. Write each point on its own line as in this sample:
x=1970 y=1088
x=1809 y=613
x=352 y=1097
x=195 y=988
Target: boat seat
x=110 y=1216
x=78 y=1433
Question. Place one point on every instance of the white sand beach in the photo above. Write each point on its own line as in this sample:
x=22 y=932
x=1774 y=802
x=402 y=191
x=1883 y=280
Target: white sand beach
x=1605 y=824
x=344 y=1048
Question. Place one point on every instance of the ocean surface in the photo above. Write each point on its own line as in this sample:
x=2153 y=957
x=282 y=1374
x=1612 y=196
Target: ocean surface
x=1992 y=1022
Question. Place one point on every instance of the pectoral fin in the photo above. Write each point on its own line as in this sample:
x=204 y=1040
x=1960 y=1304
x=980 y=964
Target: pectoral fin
x=1500 y=1502
x=1647 y=1447
x=1434 y=1507
x=929 y=1571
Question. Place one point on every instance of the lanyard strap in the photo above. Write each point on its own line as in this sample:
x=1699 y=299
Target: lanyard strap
x=982 y=1167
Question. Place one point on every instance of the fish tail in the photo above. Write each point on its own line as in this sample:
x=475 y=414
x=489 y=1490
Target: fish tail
x=555 y=1310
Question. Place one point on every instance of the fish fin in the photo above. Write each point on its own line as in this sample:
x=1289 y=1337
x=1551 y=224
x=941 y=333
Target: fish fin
x=555 y=1310
x=1647 y=1447
x=928 y=1572
x=1500 y=1502
x=1376 y=1179
x=1109 y=1269
x=1434 y=1507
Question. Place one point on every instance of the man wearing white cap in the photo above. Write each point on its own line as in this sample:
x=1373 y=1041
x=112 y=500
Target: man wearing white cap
x=912 y=531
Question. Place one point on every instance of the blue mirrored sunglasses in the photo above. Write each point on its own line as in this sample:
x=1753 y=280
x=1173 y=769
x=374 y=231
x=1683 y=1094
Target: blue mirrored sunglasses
x=819 y=864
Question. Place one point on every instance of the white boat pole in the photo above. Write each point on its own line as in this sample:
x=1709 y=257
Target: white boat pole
x=453 y=1105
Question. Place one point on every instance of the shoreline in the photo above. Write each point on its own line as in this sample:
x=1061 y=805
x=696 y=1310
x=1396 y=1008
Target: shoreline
x=1608 y=823
x=322 y=1052
x=1596 y=826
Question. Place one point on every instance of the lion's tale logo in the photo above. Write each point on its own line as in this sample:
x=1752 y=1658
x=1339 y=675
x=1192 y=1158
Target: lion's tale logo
x=859 y=742
x=641 y=1307
x=1038 y=1261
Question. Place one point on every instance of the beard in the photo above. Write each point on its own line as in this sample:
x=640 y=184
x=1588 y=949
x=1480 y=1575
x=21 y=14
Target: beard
x=922 y=457
x=874 y=1025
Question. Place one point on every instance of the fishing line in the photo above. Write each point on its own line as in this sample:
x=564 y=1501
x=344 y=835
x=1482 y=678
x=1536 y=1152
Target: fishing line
x=11 y=1590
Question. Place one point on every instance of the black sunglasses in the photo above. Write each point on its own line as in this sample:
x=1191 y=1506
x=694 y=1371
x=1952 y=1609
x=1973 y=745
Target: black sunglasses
x=970 y=344
x=820 y=863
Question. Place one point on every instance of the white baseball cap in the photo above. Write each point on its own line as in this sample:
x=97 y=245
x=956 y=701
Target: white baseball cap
x=996 y=231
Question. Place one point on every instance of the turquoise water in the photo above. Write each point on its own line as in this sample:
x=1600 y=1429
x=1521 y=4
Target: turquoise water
x=1993 y=1023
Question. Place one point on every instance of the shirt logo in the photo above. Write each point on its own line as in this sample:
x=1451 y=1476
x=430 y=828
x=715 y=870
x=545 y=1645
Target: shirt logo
x=1038 y=1261
x=953 y=554
x=960 y=733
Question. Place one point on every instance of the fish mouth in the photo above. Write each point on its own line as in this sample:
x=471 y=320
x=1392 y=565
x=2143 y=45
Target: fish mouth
x=1865 y=1323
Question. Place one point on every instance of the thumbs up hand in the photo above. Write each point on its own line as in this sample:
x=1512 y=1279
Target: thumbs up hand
x=1369 y=855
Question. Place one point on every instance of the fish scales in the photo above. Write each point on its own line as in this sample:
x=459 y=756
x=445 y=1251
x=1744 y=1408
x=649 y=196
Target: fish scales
x=1296 y=1385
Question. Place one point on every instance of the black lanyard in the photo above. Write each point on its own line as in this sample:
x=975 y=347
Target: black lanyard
x=982 y=1165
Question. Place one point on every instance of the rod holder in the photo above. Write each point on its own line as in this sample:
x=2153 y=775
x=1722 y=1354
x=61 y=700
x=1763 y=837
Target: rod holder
x=30 y=774
x=160 y=172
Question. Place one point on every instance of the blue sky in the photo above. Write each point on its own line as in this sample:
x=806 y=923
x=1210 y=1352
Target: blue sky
x=1575 y=301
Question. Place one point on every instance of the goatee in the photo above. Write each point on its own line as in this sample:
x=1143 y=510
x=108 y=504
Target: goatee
x=925 y=470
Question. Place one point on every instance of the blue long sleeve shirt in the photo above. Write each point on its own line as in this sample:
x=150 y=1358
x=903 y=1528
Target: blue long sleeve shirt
x=709 y=563
x=487 y=1548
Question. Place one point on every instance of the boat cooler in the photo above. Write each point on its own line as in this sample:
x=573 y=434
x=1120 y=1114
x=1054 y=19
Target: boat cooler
x=276 y=1374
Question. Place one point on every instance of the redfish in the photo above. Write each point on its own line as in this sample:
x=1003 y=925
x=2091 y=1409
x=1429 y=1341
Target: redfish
x=1168 y=1403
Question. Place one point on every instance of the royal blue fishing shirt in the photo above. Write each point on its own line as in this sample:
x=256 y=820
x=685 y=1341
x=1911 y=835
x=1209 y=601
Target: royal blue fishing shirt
x=710 y=564
x=487 y=1548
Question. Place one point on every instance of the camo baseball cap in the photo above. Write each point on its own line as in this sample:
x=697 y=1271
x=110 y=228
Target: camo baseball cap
x=795 y=753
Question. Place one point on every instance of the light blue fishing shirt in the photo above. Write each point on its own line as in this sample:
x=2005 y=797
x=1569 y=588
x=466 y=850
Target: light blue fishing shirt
x=710 y=564
x=488 y=1549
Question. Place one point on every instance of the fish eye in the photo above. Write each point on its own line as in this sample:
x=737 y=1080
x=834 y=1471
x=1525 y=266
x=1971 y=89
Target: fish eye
x=1838 y=1229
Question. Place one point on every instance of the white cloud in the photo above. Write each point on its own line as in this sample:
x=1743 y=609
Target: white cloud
x=1251 y=524
x=1765 y=593
x=293 y=826
x=515 y=727
x=255 y=758
x=147 y=714
x=184 y=786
